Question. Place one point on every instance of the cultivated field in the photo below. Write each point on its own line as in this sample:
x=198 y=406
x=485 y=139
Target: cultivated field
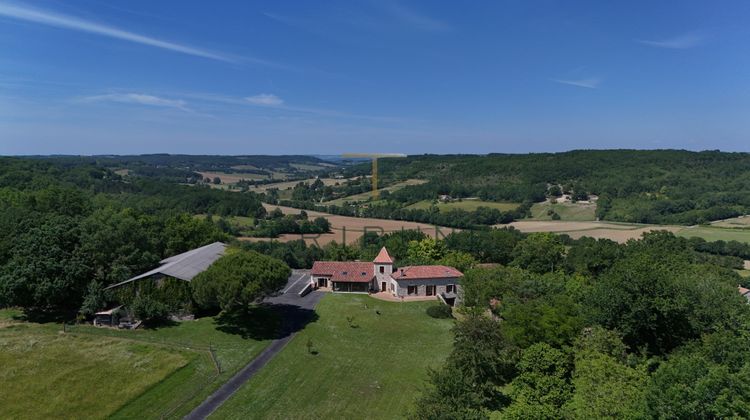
x=374 y=370
x=468 y=205
x=100 y=372
x=621 y=232
x=737 y=222
x=347 y=229
x=567 y=211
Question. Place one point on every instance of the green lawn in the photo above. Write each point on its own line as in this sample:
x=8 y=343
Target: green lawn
x=744 y=273
x=736 y=222
x=568 y=211
x=368 y=194
x=375 y=370
x=169 y=392
x=241 y=223
x=716 y=233
x=48 y=374
x=468 y=205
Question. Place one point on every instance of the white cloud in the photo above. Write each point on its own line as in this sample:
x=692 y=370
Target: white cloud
x=265 y=99
x=138 y=99
x=681 y=42
x=584 y=83
x=76 y=24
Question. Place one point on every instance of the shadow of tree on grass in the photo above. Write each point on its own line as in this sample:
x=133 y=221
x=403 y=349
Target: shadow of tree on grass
x=266 y=321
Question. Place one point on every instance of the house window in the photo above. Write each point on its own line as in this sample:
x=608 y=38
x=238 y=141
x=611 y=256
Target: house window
x=382 y=269
x=449 y=288
x=411 y=290
x=430 y=291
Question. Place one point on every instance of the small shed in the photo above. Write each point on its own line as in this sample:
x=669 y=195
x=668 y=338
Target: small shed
x=107 y=318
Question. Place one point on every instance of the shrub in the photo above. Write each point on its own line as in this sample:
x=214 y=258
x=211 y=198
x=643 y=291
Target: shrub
x=440 y=311
x=148 y=309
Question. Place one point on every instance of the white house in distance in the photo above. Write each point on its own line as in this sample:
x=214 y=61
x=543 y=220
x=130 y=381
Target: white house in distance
x=379 y=276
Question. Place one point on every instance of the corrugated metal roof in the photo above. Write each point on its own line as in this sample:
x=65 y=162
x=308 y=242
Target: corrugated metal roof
x=184 y=266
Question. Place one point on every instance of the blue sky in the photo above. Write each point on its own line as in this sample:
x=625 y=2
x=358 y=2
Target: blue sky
x=326 y=77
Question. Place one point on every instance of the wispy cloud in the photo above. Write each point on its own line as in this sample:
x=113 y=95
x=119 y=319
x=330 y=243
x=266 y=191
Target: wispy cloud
x=681 y=42
x=265 y=99
x=281 y=107
x=138 y=99
x=584 y=83
x=414 y=18
x=48 y=18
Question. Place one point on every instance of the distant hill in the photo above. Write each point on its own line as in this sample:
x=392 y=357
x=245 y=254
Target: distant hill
x=644 y=186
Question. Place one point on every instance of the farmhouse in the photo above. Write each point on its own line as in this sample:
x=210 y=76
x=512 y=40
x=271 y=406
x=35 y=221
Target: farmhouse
x=379 y=276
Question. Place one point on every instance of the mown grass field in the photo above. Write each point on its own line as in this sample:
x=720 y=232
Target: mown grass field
x=468 y=205
x=567 y=211
x=368 y=194
x=184 y=371
x=711 y=233
x=736 y=222
x=240 y=223
x=375 y=370
x=49 y=374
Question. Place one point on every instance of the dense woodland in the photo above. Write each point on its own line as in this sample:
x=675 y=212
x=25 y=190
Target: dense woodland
x=65 y=224
x=551 y=328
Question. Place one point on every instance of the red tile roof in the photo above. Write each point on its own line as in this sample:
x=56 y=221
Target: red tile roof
x=383 y=257
x=425 y=272
x=346 y=271
x=743 y=291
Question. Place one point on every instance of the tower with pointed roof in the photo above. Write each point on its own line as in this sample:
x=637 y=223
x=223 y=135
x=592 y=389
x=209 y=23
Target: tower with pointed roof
x=383 y=269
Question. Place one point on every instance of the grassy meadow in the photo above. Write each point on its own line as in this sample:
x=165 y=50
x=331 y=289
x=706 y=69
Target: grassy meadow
x=711 y=233
x=49 y=374
x=468 y=205
x=372 y=370
x=146 y=373
x=568 y=211
x=368 y=194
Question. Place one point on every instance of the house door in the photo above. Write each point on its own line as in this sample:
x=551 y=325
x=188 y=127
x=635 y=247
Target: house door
x=382 y=286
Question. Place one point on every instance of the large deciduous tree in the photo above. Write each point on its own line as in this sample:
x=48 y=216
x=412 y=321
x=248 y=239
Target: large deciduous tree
x=238 y=280
x=539 y=252
x=46 y=269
